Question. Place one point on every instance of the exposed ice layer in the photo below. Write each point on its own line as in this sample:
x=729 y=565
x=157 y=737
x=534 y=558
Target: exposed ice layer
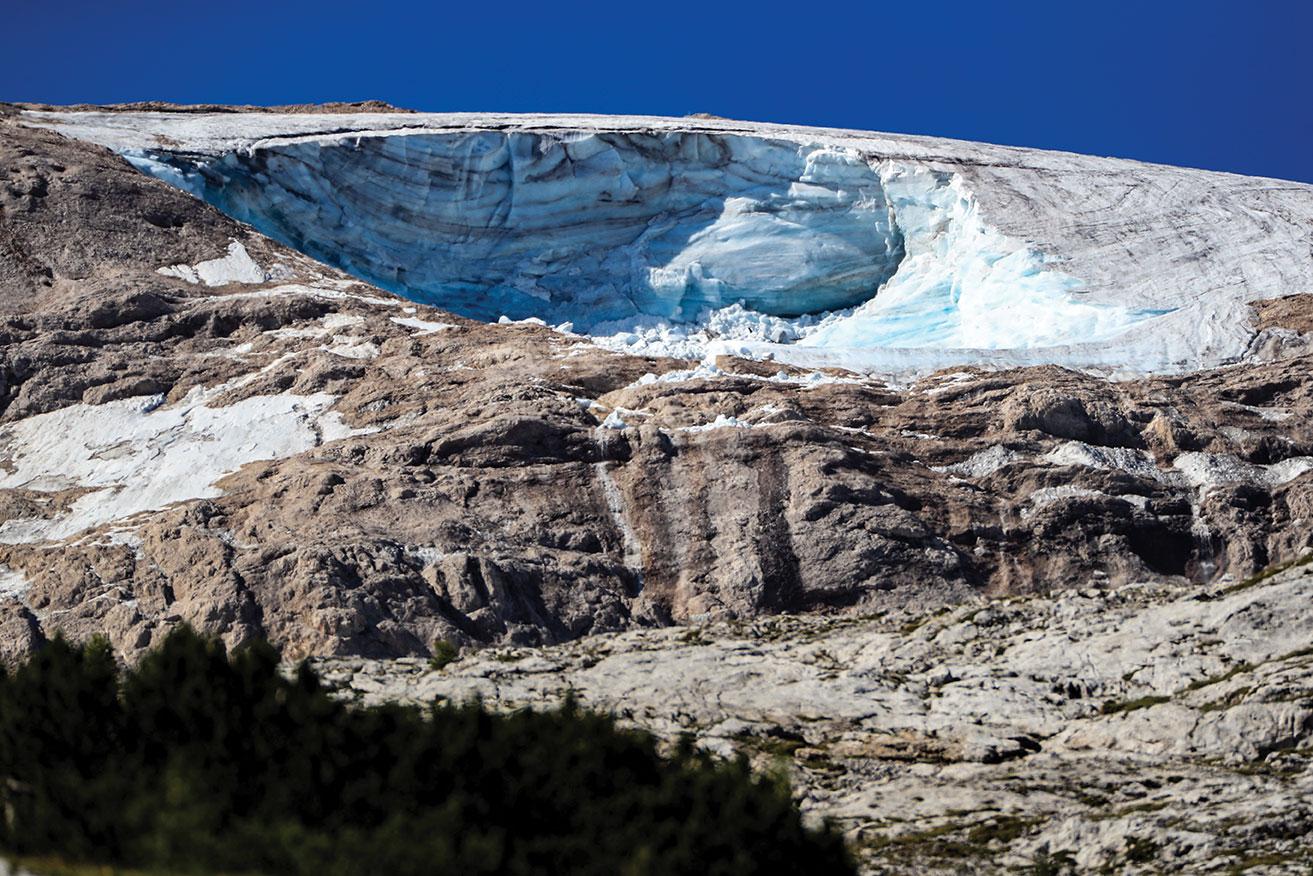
x=603 y=230
x=1012 y=226
x=962 y=284
x=586 y=227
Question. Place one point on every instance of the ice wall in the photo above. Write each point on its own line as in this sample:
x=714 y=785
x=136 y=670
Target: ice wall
x=976 y=253
x=586 y=228
x=664 y=239
x=964 y=285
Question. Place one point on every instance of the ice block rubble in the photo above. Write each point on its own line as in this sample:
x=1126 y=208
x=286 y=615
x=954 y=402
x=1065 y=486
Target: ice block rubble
x=692 y=237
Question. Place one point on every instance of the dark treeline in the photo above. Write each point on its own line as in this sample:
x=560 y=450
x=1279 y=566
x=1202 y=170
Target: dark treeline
x=198 y=762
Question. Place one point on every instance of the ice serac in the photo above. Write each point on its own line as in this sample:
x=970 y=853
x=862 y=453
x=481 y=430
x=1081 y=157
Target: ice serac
x=964 y=284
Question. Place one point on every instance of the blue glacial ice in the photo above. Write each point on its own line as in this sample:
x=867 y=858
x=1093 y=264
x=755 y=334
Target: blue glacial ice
x=589 y=228
x=963 y=285
x=761 y=239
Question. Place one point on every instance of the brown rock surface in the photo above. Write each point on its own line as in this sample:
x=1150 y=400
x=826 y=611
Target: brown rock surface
x=513 y=484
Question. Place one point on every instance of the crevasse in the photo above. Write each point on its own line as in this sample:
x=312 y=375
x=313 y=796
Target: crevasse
x=758 y=238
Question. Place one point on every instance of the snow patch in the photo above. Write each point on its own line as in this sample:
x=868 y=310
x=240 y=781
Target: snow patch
x=1205 y=470
x=353 y=348
x=236 y=267
x=981 y=464
x=327 y=323
x=706 y=371
x=614 y=421
x=722 y=422
x=334 y=321
x=425 y=327
x=1133 y=462
x=322 y=292
x=1048 y=495
x=426 y=555
x=13 y=584
x=141 y=454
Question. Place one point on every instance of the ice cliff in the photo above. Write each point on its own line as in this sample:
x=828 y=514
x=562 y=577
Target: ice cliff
x=584 y=228
x=813 y=246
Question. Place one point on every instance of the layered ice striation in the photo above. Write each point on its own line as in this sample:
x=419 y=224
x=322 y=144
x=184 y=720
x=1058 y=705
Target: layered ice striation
x=588 y=228
x=618 y=230
x=884 y=253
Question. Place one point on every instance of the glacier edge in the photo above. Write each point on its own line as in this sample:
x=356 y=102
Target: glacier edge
x=988 y=255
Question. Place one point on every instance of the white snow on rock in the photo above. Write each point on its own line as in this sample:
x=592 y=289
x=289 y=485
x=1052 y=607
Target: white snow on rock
x=13 y=584
x=142 y=454
x=982 y=464
x=1048 y=495
x=1135 y=462
x=352 y=348
x=721 y=422
x=816 y=247
x=1214 y=469
x=236 y=267
x=425 y=327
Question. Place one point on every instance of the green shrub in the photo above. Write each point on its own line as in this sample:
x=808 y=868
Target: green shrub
x=444 y=652
x=1055 y=864
x=1140 y=850
x=1114 y=707
x=199 y=762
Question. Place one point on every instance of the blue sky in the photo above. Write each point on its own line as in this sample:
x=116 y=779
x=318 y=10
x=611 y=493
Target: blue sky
x=1227 y=86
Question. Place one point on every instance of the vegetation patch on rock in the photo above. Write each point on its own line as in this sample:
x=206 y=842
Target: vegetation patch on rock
x=201 y=762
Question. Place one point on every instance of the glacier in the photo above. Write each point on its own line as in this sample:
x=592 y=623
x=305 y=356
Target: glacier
x=602 y=229
x=586 y=228
x=695 y=237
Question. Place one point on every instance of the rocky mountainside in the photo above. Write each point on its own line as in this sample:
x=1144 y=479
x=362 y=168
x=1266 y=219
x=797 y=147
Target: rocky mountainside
x=966 y=560
x=1142 y=729
x=203 y=425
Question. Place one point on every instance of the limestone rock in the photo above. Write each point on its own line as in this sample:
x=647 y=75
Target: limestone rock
x=1140 y=727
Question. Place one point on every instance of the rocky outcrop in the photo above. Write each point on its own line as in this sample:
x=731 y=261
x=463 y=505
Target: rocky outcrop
x=1136 y=729
x=202 y=425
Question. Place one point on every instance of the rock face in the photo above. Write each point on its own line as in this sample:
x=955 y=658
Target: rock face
x=1140 y=729
x=202 y=425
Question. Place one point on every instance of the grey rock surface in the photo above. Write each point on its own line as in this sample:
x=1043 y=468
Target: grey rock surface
x=1141 y=729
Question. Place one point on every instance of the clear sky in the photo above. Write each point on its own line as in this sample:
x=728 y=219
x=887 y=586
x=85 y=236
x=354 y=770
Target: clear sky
x=1221 y=85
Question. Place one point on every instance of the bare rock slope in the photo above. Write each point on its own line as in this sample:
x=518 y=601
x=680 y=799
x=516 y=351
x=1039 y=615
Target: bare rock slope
x=201 y=425
x=1143 y=729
